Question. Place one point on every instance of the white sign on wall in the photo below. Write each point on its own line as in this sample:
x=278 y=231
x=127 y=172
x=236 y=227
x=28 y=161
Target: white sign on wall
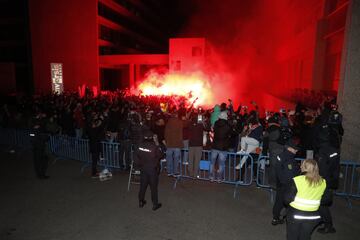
x=57 y=77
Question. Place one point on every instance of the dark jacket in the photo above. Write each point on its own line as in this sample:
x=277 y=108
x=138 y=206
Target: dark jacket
x=136 y=133
x=196 y=135
x=286 y=168
x=39 y=139
x=256 y=133
x=96 y=135
x=147 y=156
x=271 y=137
x=329 y=165
x=174 y=133
x=222 y=135
x=114 y=119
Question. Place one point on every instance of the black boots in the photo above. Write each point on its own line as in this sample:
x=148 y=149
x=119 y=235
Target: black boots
x=324 y=230
x=142 y=203
x=277 y=221
x=156 y=207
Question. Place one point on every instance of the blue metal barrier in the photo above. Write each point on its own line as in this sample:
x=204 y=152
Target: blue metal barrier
x=243 y=176
x=262 y=179
x=110 y=154
x=70 y=147
x=22 y=138
x=78 y=149
x=7 y=136
x=349 y=181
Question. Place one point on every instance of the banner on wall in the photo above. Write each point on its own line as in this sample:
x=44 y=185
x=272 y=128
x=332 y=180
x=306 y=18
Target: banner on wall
x=57 y=77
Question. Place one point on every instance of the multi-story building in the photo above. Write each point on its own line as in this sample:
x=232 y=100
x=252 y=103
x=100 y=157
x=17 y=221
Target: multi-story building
x=310 y=55
x=88 y=36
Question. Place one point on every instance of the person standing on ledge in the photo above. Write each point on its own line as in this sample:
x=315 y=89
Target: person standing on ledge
x=147 y=157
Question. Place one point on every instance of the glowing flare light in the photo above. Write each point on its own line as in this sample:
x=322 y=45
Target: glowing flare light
x=191 y=86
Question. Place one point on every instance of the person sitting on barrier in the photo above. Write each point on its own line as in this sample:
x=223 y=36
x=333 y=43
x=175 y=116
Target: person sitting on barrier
x=251 y=141
x=286 y=169
x=147 y=157
x=220 y=146
x=96 y=135
x=174 y=142
x=304 y=195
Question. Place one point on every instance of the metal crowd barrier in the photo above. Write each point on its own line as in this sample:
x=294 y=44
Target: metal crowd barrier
x=8 y=136
x=349 y=179
x=15 y=137
x=110 y=155
x=70 y=147
x=78 y=149
x=243 y=176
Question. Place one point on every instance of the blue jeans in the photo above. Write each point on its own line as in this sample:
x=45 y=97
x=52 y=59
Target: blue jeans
x=172 y=160
x=186 y=153
x=78 y=132
x=221 y=162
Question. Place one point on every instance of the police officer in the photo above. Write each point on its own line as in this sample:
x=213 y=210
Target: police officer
x=329 y=166
x=304 y=194
x=329 y=132
x=96 y=134
x=286 y=168
x=147 y=157
x=39 y=141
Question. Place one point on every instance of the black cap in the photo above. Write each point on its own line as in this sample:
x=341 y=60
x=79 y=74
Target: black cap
x=293 y=144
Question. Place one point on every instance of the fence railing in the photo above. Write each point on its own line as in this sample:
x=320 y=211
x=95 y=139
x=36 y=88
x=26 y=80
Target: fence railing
x=78 y=149
x=349 y=179
x=231 y=175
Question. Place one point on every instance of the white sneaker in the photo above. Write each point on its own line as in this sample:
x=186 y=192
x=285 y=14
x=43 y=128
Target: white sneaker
x=185 y=163
x=241 y=152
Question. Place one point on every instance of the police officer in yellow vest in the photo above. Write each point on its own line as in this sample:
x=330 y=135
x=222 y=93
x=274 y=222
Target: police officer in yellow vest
x=304 y=196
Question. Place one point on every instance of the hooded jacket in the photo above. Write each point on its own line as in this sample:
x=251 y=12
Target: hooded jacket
x=215 y=115
x=222 y=135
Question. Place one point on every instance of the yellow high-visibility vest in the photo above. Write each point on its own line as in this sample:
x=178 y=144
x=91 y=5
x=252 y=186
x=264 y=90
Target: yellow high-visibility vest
x=307 y=197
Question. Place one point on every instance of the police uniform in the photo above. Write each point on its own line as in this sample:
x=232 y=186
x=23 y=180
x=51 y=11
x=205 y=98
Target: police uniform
x=286 y=168
x=329 y=169
x=147 y=157
x=40 y=158
x=303 y=215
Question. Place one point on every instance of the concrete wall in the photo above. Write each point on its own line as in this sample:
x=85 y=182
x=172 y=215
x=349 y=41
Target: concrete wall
x=349 y=87
x=64 y=32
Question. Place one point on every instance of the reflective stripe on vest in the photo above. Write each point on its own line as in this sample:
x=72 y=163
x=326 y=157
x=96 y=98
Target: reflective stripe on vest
x=307 y=197
x=306 y=217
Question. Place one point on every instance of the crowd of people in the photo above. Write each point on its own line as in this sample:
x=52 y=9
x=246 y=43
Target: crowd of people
x=175 y=123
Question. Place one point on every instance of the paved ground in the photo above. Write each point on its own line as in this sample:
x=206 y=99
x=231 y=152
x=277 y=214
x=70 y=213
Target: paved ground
x=74 y=206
